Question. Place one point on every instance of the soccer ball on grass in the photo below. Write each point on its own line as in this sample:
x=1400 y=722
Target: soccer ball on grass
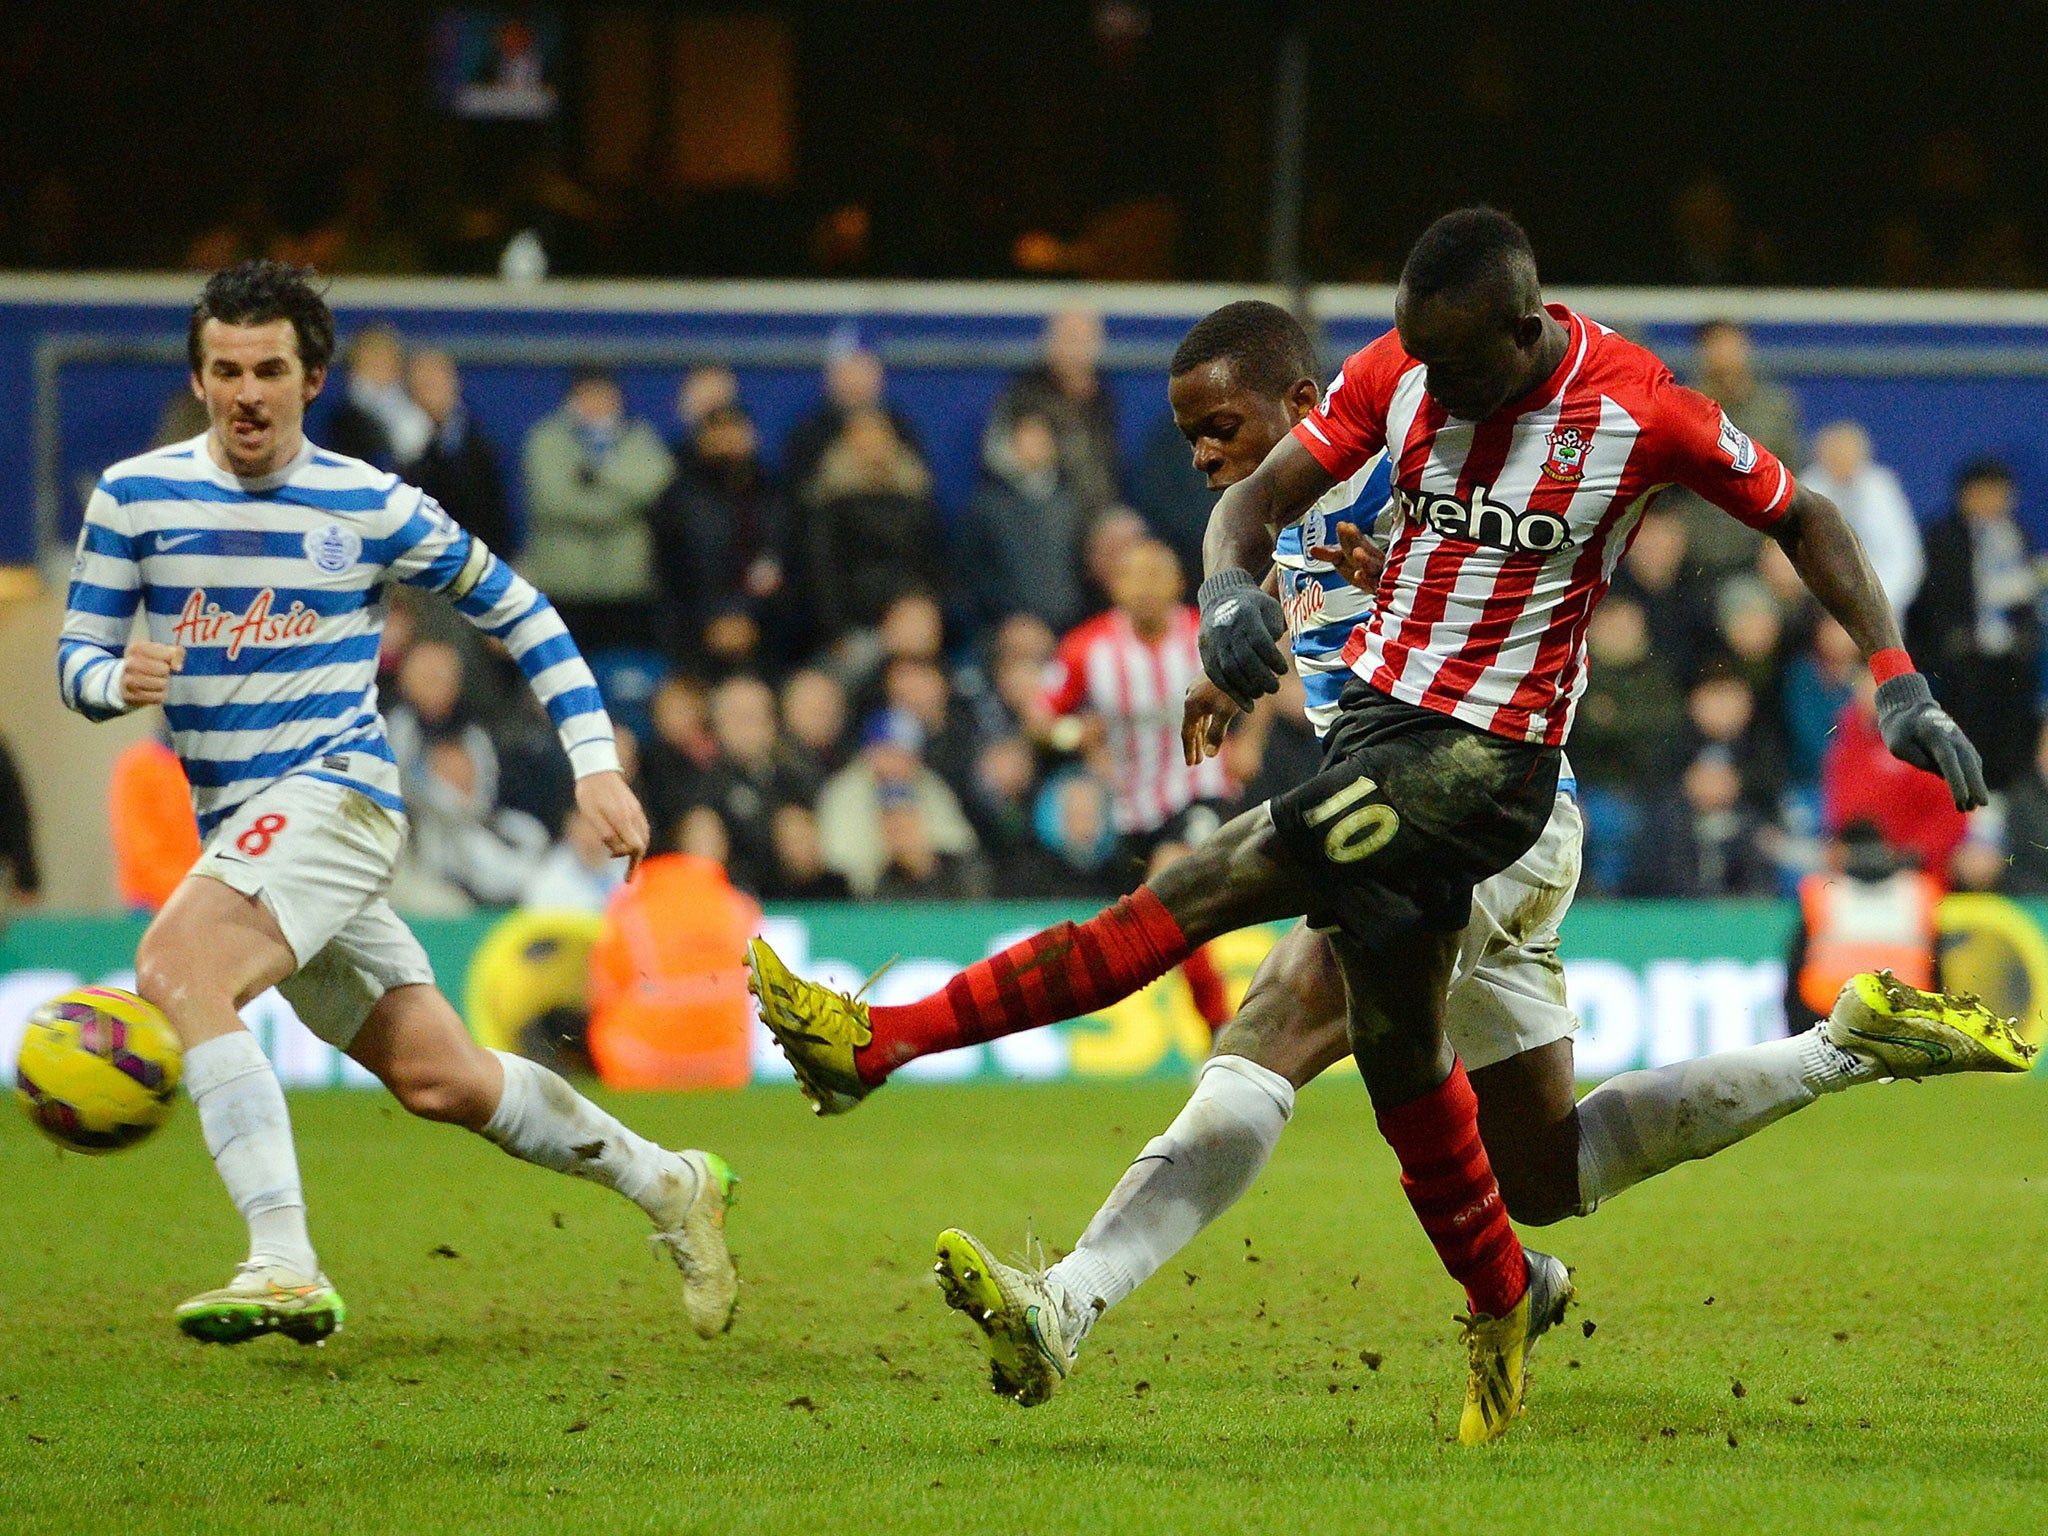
x=99 y=1069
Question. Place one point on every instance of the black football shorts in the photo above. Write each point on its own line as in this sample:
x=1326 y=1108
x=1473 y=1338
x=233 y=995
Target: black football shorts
x=1410 y=811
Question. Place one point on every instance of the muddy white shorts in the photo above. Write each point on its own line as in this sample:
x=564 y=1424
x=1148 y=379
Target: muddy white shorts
x=1507 y=989
x=319 y=856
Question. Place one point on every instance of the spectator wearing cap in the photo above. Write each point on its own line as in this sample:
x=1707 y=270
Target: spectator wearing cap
x=458 y=464
x=1875 y=504
x=1974 y=629
x=889 y=769
x=593 y=475
x=1067 y=390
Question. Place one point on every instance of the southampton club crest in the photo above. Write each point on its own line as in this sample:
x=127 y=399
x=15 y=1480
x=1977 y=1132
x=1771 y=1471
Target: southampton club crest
x=1568 y=449
x=333 y=549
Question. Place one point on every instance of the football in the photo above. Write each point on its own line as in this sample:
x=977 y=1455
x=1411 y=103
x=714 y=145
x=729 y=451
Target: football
x=99 y=1069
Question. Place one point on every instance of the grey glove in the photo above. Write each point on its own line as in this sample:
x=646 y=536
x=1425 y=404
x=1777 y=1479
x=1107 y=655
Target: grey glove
x=1919 y=731
x=1240 y=640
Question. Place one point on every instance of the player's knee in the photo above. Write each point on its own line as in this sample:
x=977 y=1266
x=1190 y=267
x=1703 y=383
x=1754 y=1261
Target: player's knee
x=1535 y=1197
x=170 y=976
x=435 y=1092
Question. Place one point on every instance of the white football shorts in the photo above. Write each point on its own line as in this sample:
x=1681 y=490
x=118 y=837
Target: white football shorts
x=1507 y=989
x=319 y=856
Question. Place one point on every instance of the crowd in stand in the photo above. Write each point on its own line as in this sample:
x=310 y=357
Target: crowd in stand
x=828 y=689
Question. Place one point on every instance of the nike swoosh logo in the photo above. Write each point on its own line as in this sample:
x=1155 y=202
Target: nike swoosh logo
x=163 y=543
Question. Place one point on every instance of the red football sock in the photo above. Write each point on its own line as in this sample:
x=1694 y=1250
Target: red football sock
x=1205 y=985
x=1448 y=1179
x=1062 y=972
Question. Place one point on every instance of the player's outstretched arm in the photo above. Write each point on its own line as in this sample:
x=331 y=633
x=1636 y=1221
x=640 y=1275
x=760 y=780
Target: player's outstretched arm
x=1825 y=551
x=1241 y=622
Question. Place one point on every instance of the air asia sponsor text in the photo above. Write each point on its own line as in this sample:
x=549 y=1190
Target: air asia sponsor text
x=201 y=622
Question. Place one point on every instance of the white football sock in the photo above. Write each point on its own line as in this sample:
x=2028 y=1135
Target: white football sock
x=249 y=1133
x=541 y=1119
x=1182 y=1181
x=1637 y=1125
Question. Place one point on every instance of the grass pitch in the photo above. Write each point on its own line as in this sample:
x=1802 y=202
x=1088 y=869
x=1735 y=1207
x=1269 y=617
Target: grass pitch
x=1827 y=1329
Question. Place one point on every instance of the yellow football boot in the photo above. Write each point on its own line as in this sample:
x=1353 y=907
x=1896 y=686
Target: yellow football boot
x=817 y=1028
x=1499 y=1349
x=1905 y=1032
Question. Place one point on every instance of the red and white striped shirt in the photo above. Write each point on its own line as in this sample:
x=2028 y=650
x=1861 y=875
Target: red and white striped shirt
x=1137 y=686
x=1509 y=529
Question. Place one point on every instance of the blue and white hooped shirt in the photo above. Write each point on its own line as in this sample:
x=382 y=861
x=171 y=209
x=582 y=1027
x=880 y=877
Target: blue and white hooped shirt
x=275 y=587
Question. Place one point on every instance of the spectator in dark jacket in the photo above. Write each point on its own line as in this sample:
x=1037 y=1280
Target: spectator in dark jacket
x=720 y=531
x=751 y=778
x=1068 y=392
x=459 y=467
x=1703 y=840
x=875 y=531
x=854 y=382
x=1020 y=543
x=376 y=419
x=2026 y=829
x=1973 y=627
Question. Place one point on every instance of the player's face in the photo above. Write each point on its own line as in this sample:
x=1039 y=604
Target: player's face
x=1477 y=357
x=1231 y=427
x=256 y=391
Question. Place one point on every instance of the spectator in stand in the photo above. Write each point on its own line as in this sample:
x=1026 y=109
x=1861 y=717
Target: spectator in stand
x=1703 y=840
x=889 y=767
x=459 y=465
x=1875 y=504
x=1765 y=411
x=814 y=721
x=800 y=872
x=155 y=835
x=1861 y=781
x=1171 y=497
x=1629 y=718
x=1721 y=711
x=1276 y=748
x=1068 y=391
x=854 y=383
x=678 y=760
x=922 y=690
x=376 y=419
x=751 y=778
x=706 y=388
x=1819 y=683
x=1654 y=573
x=998 y=805
x=720 y=540
x=2026 y=828
x=916 y=870
x=874 y=529
x=578 y=874
x=1124 y=675
x=592 y=478
x=912 y=626
x=20 y=876
x=1019 y=547
x=1750 y=627
x=1974 y=628
x=1113 y=534
x=432 y=706
x=1862 y=911
x=464 y=848
x=1077 y=838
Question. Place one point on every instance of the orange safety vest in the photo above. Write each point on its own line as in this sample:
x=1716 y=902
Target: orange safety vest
x=1861 y=925
x=668 y=979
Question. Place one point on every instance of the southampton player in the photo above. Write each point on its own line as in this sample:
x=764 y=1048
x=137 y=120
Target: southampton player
x=260 y=565
x=1428 y=786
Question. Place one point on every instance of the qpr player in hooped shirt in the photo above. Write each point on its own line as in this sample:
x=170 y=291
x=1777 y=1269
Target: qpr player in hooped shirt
x=259 y=565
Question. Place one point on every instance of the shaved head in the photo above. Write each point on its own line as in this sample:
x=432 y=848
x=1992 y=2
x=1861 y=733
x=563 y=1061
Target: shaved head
x=1474 y=258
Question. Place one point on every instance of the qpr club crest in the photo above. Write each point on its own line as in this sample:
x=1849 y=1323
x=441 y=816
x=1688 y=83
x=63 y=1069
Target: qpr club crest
x=1568 y=449
x=333 y=549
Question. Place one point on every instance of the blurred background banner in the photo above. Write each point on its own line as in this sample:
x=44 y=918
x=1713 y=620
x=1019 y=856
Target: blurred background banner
x=1652 y=982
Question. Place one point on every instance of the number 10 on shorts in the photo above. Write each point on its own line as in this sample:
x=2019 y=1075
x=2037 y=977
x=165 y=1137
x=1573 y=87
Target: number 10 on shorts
x=1357 y=834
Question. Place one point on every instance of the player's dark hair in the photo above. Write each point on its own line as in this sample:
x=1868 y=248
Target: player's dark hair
x=1467 y=250
x=259 y=291
x=1270 y=350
